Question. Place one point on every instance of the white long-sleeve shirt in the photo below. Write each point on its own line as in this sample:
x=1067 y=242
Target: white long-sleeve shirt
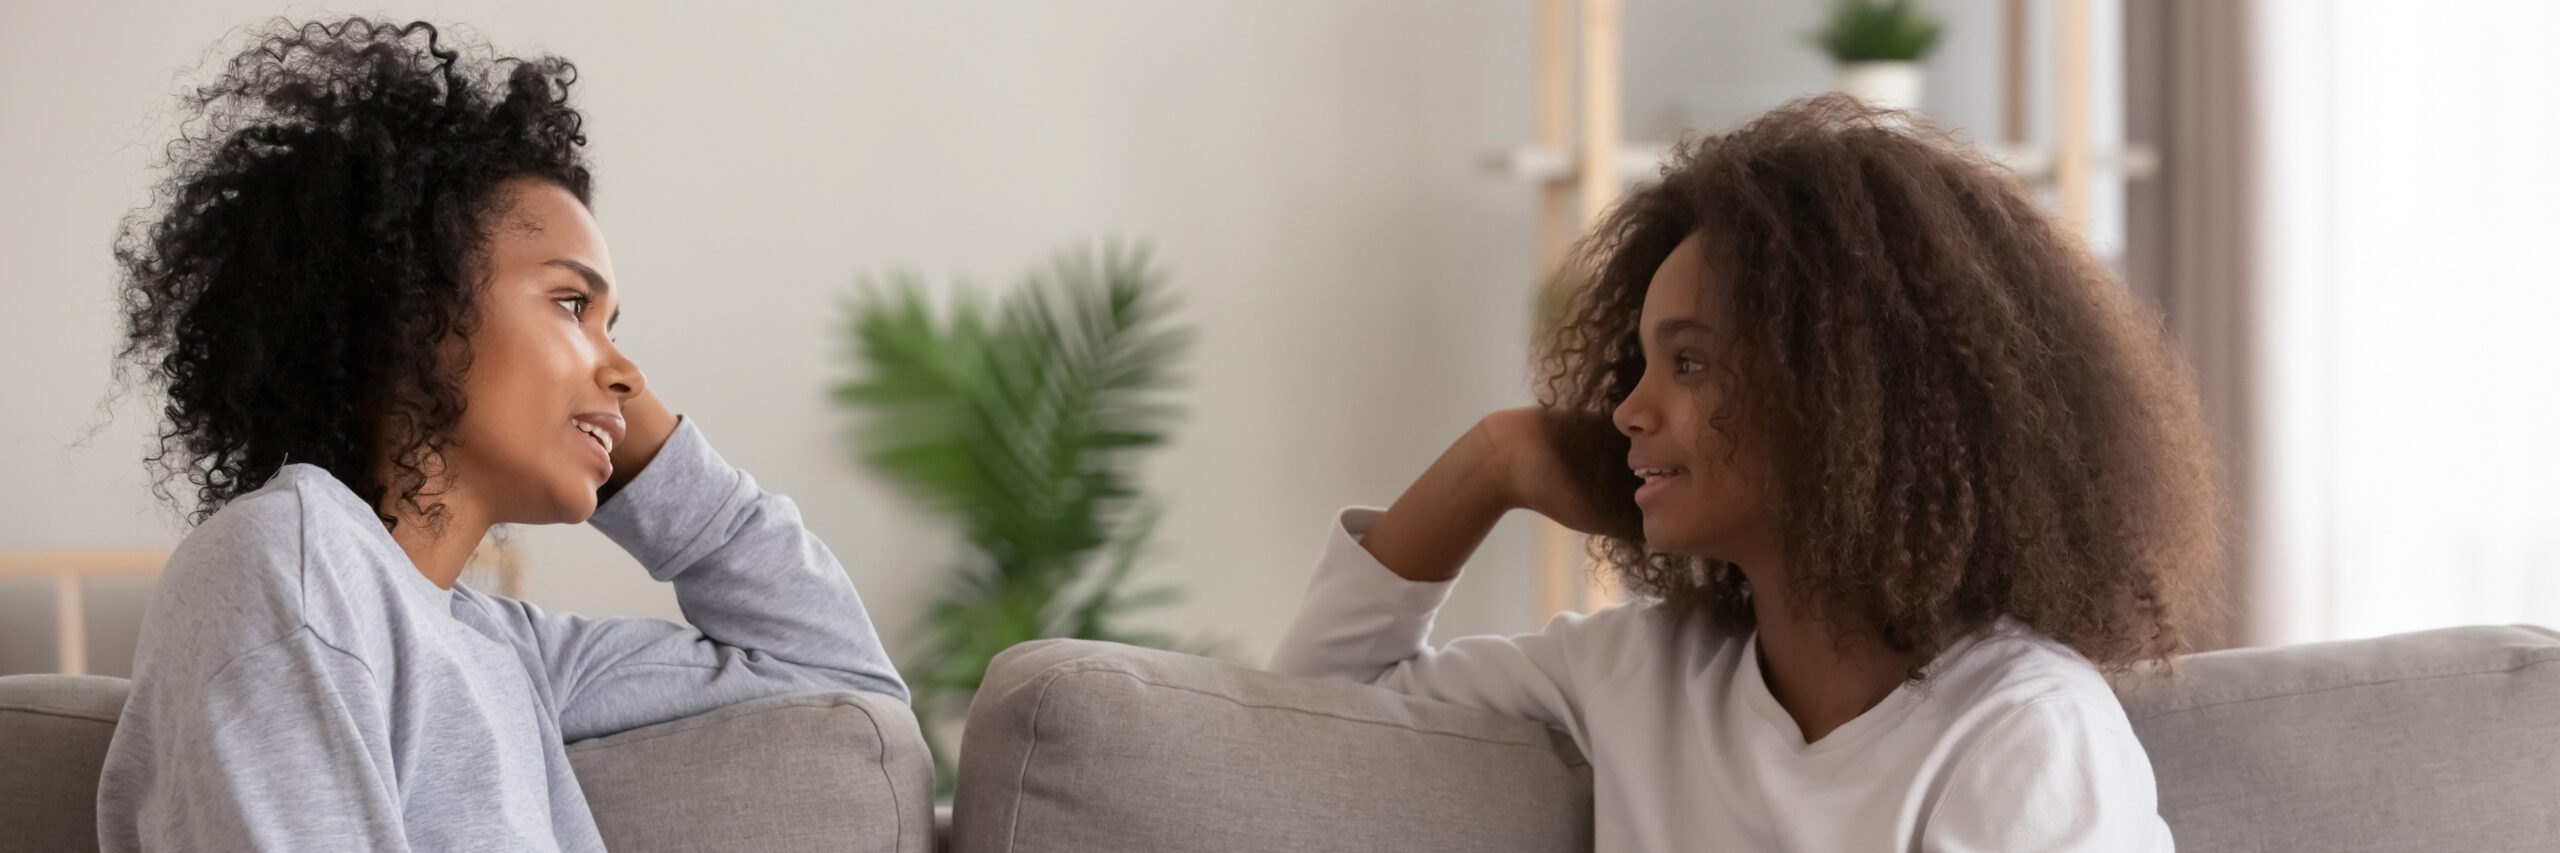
x=2013 y=742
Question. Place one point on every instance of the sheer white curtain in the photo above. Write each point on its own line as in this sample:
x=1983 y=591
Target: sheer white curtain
x=2410 y=290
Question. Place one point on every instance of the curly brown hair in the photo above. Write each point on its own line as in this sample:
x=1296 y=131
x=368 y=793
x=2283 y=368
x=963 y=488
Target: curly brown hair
x=1966 y=417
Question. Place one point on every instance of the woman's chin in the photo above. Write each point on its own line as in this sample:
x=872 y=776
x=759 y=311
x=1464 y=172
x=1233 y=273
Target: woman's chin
x=573 y=501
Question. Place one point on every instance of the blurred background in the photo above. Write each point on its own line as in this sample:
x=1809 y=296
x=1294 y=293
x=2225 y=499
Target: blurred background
x=2341 y=208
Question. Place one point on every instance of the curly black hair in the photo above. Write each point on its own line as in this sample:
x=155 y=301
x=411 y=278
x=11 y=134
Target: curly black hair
x=318 y=237
x=1967 y=417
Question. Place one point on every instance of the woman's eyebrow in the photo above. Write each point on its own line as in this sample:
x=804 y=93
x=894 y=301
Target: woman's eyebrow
x=595 y=281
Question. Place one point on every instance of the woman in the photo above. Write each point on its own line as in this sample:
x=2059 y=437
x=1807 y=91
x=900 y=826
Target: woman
x=1893 y=473
x=383 y=318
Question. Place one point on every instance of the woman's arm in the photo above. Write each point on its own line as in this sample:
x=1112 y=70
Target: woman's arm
x=286 y=748
x=771 y=609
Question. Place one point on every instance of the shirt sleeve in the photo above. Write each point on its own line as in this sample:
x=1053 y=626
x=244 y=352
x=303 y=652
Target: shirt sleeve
x=1362 y=621
x=2064 y=773
x=772 y=611
x=287 y=748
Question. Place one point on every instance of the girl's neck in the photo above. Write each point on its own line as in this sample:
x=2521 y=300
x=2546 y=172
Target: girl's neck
x=1821 y=678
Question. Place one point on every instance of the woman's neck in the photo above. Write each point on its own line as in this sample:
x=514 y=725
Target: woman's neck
x=1821 y=678
x=439 y=549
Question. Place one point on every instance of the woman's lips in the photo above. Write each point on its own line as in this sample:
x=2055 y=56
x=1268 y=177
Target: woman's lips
x=596 y=444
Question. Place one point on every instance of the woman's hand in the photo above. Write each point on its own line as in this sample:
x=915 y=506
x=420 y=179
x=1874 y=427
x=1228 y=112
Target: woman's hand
x=646 y=424
x=1508 y=461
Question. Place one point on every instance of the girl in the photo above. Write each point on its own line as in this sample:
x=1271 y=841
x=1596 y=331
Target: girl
x=1893 y=472
x=383 y=314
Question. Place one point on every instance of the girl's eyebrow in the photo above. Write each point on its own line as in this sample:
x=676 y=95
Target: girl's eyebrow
x=1668 y=327
x=595 y=281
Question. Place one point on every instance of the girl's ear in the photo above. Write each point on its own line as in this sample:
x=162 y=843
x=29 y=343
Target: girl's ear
x=1595 y=454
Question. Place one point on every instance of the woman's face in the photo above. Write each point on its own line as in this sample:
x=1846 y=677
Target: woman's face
x=1701 y=495
x=545 y=386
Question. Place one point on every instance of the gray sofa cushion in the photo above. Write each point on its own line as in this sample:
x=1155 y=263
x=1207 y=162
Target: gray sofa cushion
x=54 y=731
x=820 y=771
x=1083 y=746
x=2439 y=740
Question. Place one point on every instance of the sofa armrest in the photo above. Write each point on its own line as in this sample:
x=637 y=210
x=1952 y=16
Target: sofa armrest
x=54 y=731
x=817 y=771
x=1083 y=746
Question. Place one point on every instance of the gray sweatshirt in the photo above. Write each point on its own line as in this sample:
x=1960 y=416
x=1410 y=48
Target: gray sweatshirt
x=300 y=686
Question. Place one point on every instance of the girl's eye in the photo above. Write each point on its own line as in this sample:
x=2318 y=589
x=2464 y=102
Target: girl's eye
x=1686 y=365
x=580 y=311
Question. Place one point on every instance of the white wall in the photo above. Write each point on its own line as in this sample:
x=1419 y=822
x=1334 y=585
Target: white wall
x=1307 y=169
x=2407 y=353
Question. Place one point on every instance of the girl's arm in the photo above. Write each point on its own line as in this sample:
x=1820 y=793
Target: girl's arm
x=1506 y=462
x=1369 y=609
x=771 y=609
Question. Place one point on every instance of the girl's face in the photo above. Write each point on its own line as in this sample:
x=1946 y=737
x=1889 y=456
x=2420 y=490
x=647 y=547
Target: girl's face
x=1702 y=491
x=545 y=386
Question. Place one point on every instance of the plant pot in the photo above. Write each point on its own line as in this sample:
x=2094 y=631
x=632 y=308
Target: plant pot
x=1887 y=85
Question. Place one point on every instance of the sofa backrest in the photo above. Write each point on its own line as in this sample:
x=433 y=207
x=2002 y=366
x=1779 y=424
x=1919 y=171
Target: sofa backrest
x=1084 y=746
x=816 y=771
x=2437 y=740
x=54 y=731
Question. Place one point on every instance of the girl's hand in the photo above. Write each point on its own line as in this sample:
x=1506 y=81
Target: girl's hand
x=646 y=424
x=1512 y=459
x=1527 y=441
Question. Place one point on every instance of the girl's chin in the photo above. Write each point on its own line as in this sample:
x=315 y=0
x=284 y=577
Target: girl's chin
x=1660 y=537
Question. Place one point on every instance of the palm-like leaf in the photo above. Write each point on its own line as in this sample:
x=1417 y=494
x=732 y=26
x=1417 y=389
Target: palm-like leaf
x=1019 y=422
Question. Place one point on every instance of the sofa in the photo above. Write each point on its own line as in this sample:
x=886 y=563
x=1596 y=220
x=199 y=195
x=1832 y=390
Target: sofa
x=2440 y=740
x=822 y=771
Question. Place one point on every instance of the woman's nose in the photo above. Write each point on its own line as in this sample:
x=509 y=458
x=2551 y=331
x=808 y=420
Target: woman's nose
x=622 y=377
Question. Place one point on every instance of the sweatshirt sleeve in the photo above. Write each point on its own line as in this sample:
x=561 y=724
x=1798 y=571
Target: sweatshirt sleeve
x=286 y=748
x=1362 y=621
x=771 y=610
x=2064 y=773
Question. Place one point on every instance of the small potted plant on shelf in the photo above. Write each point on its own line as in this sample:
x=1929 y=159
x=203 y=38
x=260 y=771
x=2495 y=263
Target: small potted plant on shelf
x=1878 y=45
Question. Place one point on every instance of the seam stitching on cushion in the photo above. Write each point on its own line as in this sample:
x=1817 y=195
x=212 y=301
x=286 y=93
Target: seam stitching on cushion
x=55 y=712
x=2228 y=699
x=1545 y=746
x=592 y=746
x=1013 y=827
x=891 y=781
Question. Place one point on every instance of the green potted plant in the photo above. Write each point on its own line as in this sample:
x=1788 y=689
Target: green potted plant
x=1022 y=422
x=1877 y=46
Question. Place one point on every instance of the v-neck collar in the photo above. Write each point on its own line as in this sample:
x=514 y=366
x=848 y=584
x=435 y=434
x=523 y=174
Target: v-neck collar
x=1754 y=688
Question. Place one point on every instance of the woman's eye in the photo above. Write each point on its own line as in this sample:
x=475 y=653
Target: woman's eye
x=579 y=309
x=1686 y=365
